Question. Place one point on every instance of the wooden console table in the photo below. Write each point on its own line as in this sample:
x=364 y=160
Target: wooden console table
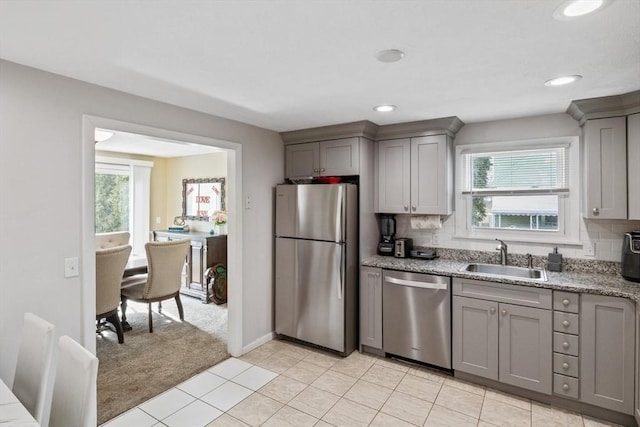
x=206 y=251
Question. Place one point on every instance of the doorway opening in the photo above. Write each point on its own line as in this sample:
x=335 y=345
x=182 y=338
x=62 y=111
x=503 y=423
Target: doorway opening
x=164 y=138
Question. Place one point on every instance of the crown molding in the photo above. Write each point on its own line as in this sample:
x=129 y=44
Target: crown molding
x=447 y=125
x=364 y=128
x=606 y=106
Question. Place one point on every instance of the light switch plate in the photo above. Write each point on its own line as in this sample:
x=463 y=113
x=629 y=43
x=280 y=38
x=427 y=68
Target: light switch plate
x=589 y=249
x=71 y=267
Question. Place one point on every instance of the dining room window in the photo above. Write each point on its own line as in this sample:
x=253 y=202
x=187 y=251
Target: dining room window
x=122 y=198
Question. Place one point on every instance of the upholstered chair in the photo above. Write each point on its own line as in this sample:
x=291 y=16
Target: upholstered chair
x=111 y=240
x=74 y=390
x=34 y=364
x=163 y=280
x=110 y=264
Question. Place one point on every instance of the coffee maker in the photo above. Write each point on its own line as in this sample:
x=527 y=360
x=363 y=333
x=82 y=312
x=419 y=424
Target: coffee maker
x=387 y=235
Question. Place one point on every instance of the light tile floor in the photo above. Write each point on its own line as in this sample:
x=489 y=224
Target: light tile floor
x=283 y=384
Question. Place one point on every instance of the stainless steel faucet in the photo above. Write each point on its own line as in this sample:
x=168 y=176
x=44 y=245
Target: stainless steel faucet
x=502 y=247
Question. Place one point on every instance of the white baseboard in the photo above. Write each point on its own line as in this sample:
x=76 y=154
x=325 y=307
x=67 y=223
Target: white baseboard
x=257 y=343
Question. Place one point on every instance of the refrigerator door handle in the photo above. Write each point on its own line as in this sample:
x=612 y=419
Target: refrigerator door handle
x=342 y=266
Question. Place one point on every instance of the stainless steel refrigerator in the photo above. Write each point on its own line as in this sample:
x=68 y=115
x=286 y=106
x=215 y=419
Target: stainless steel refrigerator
x=316 y=264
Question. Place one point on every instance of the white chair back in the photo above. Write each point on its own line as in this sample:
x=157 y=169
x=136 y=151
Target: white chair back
x=34 y=364
x=74 y=390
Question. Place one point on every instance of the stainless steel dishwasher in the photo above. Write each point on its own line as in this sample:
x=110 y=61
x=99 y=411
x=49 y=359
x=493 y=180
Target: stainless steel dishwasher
x=416 y=317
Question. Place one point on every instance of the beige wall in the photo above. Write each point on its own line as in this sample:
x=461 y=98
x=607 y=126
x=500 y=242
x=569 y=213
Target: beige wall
x=212 y=165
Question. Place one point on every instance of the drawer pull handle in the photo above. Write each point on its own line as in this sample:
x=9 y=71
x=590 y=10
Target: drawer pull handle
x=492 y=310
x=504 y=312
x=565 y=345
x=596 y=211
x=566 y=302
x=406 y=208
x=565 y=387
x=565 y=366
x=566 y=323
x=413 y=207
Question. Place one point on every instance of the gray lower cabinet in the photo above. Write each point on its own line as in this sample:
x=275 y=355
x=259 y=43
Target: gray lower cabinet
x=371 y=307
x=503 y=342
x=637 y=365
x=607 y=352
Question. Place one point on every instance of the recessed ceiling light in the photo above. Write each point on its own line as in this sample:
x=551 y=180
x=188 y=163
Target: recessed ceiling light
x=564 y=80
x=390 y=55
x=384 y=108
x=574 y=8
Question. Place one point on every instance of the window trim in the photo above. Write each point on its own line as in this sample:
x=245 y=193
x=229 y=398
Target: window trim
x=568 y=202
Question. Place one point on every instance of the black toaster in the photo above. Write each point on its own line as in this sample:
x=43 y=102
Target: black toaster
x=631 y=256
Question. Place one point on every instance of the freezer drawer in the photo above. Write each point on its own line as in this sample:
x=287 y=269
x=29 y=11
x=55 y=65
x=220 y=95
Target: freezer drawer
x=310 y=292
x=416 y=313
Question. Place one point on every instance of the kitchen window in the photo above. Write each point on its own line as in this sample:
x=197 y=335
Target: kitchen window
x=520 y=190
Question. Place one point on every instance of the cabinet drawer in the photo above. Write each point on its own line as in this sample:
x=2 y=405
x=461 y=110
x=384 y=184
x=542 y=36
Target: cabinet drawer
x=502 y=292
x=565 y=364
x=566 y=322
x=566 y=386
x=565 y=343
x=566 y=301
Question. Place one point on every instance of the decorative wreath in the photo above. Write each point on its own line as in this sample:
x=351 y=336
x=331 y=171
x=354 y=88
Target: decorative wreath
x=218 y=275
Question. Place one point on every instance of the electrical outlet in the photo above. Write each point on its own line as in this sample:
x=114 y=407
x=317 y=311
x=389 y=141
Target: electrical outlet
x=247 y=202
x=158 y=220
x=435 y=240
x=589 y=249
x=71 y=267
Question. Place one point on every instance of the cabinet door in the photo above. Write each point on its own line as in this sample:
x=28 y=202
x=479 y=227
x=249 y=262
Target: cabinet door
x=605 y=144
x=340 y=157
x=371 y=307
x=525 y=355
x=607 y=352
x=633 y=160
x=475 y=337
x=638 y=365
x=394 y=162
x=302 y=160
x=431 y=175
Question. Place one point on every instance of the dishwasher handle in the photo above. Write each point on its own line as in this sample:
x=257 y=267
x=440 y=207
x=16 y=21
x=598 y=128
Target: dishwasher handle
x=415 y=284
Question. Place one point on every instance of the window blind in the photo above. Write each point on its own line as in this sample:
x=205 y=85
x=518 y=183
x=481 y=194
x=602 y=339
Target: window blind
x=517 y=172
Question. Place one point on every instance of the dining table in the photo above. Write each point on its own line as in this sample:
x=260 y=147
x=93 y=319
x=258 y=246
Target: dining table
x=12 y=411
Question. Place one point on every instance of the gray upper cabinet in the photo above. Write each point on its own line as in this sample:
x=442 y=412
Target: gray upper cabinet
x=324 y=158
x=633 y=160
x=605 y=168
x=415 y=175
x=500 y=341
x=371 y=307
x=607 y=352
x=394 y=176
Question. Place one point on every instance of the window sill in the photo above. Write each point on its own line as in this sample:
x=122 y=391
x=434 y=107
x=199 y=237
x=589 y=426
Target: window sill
x=522 y=239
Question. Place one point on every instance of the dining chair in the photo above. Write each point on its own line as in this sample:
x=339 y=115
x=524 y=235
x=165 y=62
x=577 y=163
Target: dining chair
x=165 y=261
x=110 y=264
x=34 y=364
x=113 y=239
x=74 y=390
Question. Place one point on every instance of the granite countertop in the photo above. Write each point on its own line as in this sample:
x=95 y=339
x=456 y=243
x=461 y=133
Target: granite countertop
x=572 y=281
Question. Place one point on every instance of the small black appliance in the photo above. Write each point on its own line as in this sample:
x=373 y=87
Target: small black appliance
x=387 y=235
x=631 y=256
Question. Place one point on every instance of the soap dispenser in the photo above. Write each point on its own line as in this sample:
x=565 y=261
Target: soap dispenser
x=554 y=262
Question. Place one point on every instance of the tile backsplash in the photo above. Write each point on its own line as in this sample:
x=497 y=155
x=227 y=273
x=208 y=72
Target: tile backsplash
x=605 y=235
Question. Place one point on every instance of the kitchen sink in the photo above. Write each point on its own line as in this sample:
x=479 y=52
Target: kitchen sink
x=508 y=271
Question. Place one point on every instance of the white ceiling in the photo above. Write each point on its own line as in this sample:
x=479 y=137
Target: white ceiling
x=123 y=142
x=293 y=64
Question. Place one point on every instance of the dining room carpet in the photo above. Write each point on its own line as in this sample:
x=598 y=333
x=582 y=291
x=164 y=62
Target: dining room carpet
x=148 y=364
